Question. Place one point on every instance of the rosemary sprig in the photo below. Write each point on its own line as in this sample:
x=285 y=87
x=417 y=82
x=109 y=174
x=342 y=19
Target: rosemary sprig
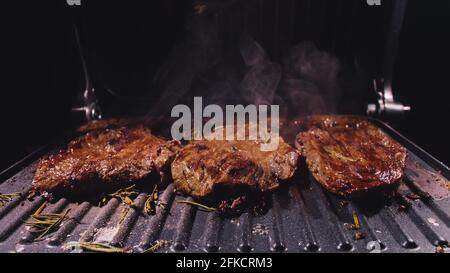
x=94 y=247
x=151 y=202
x=157 y=246
x=5 y=198
x=41 y=208
x=124 y=214
x=44 y=224
x=32 y=193
x=206 y=208
x=126 y=195
x=356 y=224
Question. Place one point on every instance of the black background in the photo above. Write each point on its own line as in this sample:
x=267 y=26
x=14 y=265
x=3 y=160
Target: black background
x=42 y=72
x=281 y=262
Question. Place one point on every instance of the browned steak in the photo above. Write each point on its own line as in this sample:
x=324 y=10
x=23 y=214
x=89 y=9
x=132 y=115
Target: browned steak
x=106 y=159
x=229 y=170
x=111 y=123
x=349 y=156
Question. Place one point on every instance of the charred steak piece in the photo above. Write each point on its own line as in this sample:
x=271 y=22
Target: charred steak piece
x=231 y=170
x=111 y=123
x=351 y=156
x=104 y=160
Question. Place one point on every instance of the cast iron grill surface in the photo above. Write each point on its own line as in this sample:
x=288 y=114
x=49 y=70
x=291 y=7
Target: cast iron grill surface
x=303 y=218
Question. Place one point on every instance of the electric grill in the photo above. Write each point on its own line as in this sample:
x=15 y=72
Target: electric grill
x=303 y=217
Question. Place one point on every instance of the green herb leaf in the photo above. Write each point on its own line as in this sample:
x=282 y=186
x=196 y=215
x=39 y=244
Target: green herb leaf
x=44 y=224
x=126 y=195
x=209 y=209
x=152 y=201
x=5 y=198
x=94 y=247
x=157 y=246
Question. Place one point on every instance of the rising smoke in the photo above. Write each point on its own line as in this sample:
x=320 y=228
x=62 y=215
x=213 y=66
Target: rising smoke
x=235 y=69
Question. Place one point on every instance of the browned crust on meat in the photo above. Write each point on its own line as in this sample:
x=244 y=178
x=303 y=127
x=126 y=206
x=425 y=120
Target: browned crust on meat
x=106 y=159
x=112 y=123
x=205 y=168
x=350 y=156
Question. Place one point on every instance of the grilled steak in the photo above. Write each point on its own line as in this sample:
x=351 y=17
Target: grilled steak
x=229 y=171
x=111 y=123
x=350 y=156
x=106 y=159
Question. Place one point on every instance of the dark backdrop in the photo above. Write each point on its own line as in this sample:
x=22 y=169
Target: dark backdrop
x=42 y=72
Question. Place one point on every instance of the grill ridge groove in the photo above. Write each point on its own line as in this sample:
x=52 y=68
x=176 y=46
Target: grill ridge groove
x=129 y=221
x=16 y=201
x=303 y=218
x=434 y=238
x=184 y=226
x=156 y=222
x=244 y=233
x=58 y=207
x=309 y=237
x=212 y=232
x=365 y=226
x=61 y=234
x=276 y=233
x=17 y=220
x=101 y=220
x=330 y=213
x=438 y=211
x=401 y=236
x=429 y=202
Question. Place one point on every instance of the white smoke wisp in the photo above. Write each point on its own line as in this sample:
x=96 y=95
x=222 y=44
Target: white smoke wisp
x=310 y=83
x=237 y=70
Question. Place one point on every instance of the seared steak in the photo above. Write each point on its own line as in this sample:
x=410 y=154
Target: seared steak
x=230 y=170
x=106 y=159
x=350 y=156
x=111 y=123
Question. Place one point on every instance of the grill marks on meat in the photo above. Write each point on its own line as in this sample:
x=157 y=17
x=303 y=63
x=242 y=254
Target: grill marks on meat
x=106 y=159
x=346 y=155
x=350 y=156
x=231 y=170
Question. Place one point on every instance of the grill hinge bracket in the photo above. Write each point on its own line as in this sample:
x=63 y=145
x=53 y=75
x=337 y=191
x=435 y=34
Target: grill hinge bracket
x=385 y=105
